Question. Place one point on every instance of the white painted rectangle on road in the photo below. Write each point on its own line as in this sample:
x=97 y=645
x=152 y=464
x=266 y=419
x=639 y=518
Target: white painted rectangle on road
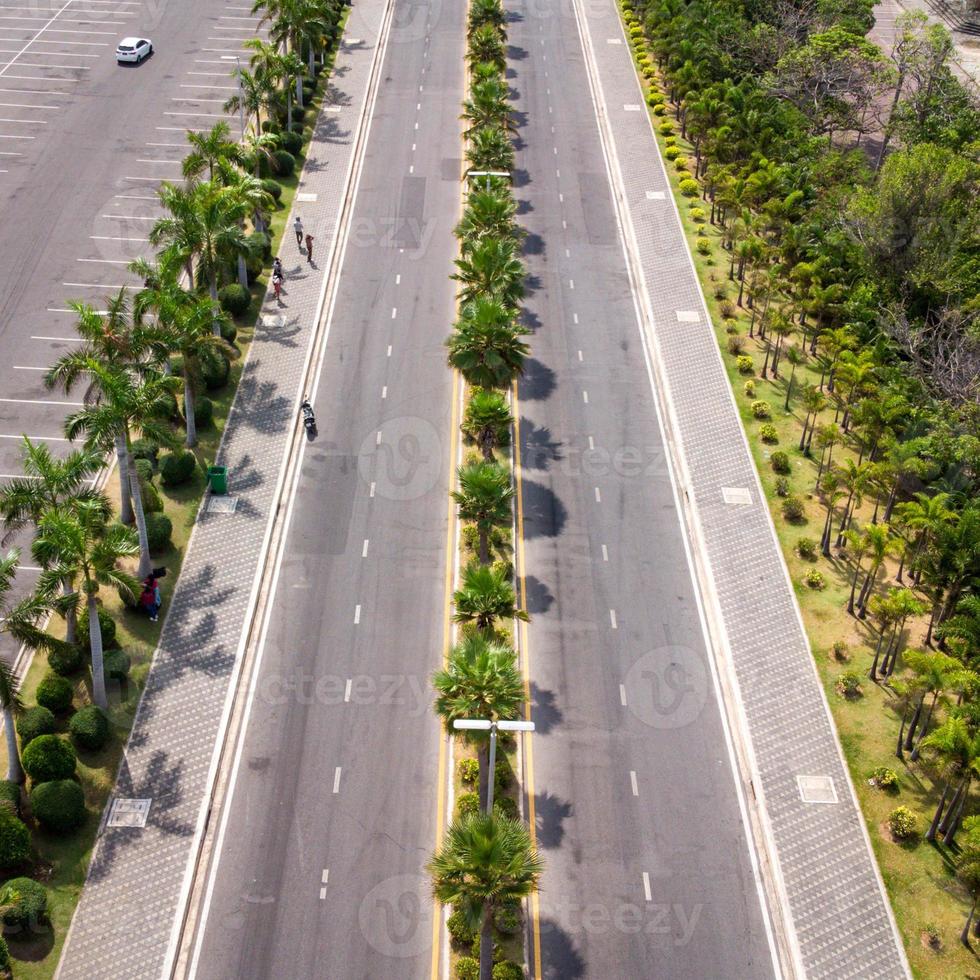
x=336 y=780
x=646 y=887
x=357 y=614
x=688 y=316
x=636 y=789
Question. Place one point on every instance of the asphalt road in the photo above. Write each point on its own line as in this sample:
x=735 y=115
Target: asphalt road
x=84 y=143
x=318 y=868
x=648 y=866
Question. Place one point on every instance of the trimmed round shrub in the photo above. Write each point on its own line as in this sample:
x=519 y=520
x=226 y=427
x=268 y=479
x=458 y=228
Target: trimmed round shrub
x=292 y=143
x=159 y=527
x=813 y=579
x=229 y=332
x=667 y=127
x=177 y=468
x=272 y=187
x=735 y=344
x=745 y=364
x=749 y=388
x=883 y=778
x=659 y=109
x=299 y=115
x=215 y=369
x=270 y=126
x=144 y=470
x=234 y=298
x=806 y=548
x=115 y=665
x=144 y=449
x=47 y=758
x=284 y=163
x=469 y=770
x=698 y=214
x=107 y=625
x=507 y=919
x=849 y=684
x=467 y=803
x=779 y=462
x=768 y=433
x=703 y=246
x=689 y=187
x=902 y=823
x=34 y=722
x=55 y=693
x=506 y=807
x=10 y=797
x=89 y=728
x=793 y=509
x=761 y=410
x=507 y=970
x=15 y=840
x=684 y=174
x=680 y=164
x=782 y=486
x=203 y=411
x=672 y=152
x=669 y=140
x=59 y=806
x=459 y=931
x=254 y=267
x=467 y=968
x=26 y=901
x=152 y=501
x=503 y=776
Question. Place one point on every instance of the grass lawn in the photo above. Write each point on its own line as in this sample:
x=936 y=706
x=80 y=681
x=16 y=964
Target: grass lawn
x=63 y=861
x=929 y=903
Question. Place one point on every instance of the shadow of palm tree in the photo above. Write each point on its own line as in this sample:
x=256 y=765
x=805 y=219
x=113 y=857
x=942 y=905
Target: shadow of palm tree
x=539 y=599
x=560 y=959
x=538 y=449
x=538 y=381
x=544 y=709
x=550 y=812
x=544 y=513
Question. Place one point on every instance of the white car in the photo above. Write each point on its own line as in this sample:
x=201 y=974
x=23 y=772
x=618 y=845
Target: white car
x=133 y=49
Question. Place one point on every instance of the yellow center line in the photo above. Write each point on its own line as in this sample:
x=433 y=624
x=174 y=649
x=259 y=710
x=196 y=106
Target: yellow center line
x=447 y=638
x=526 y=664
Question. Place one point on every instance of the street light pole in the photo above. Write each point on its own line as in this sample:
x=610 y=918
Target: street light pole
x=241 y=96
x=492 y=727
x=488 y=174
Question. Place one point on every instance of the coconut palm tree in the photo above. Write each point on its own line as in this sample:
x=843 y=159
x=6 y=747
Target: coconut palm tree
x=481 y=679
x=485 y=862
x=904 y=605
x=854 y=478
x=484 y=596
x=484 y=498
x=250 y=99
x=491 y=269
x=207 y=149
x=486 y=346
x=488 y=105
x=258 y=148
x=487 y=421
x=925 y=515
x=11 y=706
x=49 y=483
x=488 y=214
x=82 y=544
x=490 y=148
x=250 y=191
x=935 y=674
x=880 y=543
x=129 y=404
x=958 y=750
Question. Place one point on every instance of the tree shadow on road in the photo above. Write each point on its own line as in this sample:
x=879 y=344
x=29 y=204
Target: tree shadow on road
x=538 y=449
x=550 y=813
x=538 y=381
x=544 y=709
x=544 y=514
x=259 y=405
x=560 y=959
x=539 y=598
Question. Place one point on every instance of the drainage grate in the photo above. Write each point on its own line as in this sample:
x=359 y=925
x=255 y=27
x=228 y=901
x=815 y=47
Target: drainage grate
x=816 y=789
x=129 y=813
x=221 y=504
x=739 y=496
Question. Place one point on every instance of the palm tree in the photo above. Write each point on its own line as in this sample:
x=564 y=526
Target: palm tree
x=486 y=595
x=180 y=231
x=10 y=706
x=903 y=605
x=488 y=105
x=880 y=543
x=207 y=149
x=855 y=480
x=292 y=69
x=250 y=99
x=49 y=483
x=83 y=545
x=963 y=628
x=259 y=147
x=484 y=498
x=925 y=515
x=251 y=192
x=483 y=12
x=488 y=214
x=487 y=421
x=486 y=346
x=968 y=870
x=934 y=673
x=491 y=270
x=490 y=148
x=480 y=680
x=958 y=749
x=486 y=47
x=128 y=404
x=485 y=862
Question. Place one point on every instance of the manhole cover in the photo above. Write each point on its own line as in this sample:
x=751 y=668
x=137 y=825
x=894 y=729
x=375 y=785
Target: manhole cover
x=816 y=789
x=736 y=495
x=222 y=504
x=129 y=813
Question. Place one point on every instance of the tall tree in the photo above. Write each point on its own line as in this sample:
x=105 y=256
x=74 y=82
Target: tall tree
x=487 y=421
x=485 y=596
x=486 y=346
x=484 y=499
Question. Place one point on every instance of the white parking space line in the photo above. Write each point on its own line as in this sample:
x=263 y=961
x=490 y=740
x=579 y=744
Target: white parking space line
x=135 y=197
x=24 y=367
x=180 y=146
x=70 y=340
x=180 y=129
x=6 y=136
x=27 y=122
x=347 y=689
x=20 y=437
x=100 y=285
x=173 y=163
x=80 y=44
x=38 y=401
x=205 y=115
x=114 y=238
x=198 y=101
x=32 y=91
x=106 y=261
x=59 y=30
x=24 y=105
x=210 y=88
x=161 y=179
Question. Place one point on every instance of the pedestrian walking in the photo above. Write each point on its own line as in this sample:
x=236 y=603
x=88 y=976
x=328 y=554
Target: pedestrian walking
x=298 y=228
x=309 y=249
x=277 y=287
x=277 y=268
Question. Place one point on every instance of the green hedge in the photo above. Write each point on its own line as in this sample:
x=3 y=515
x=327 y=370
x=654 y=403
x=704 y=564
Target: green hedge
x=144 y=470
x=55 y=693
x=26 y=901
x=10 y=796
x=59 y=806
x=284 y=163
x=292 y=143
x=15 y=840
x=47 y=758
x=145 y=449
x=34 y=722
x=203 y=411
x=89 y=728
x=115 y=665
x=159 y=528
x=177 y=468
x=215 y=367
x=234 y=299
x=272 y=187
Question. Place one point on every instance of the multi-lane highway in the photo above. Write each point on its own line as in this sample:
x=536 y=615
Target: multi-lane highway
x=331 y=813
x=84 y=143
x=648 y=868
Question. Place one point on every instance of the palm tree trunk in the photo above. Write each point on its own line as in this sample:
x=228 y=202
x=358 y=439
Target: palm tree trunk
x=486 y=945
x=145 y=565
x=125 y=504
x=949 y=834
x=213 y=290
x=924 y=729
x=299 y=91
x=873 y=673
x=189 y=420
x=484 y=547
x=289 y=111
x=910 y=737
x=965 y=934
x=243 y=270
x=95 y=641
x=71 y=619
x=15 y=774
x=854 y=582
x=899 y=749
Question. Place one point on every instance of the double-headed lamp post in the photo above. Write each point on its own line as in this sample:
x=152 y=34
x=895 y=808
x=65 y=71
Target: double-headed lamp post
x=488 y=174
x=241 y=96
x=477 y=725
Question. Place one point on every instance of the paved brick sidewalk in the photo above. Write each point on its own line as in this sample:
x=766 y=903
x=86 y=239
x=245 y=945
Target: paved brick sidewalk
x=840 y=915
x=124 y=926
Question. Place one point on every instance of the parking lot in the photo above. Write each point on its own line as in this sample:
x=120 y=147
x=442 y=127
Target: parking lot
x=84 y=144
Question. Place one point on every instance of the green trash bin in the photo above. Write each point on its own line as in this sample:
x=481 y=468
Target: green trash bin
x=218 y=479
